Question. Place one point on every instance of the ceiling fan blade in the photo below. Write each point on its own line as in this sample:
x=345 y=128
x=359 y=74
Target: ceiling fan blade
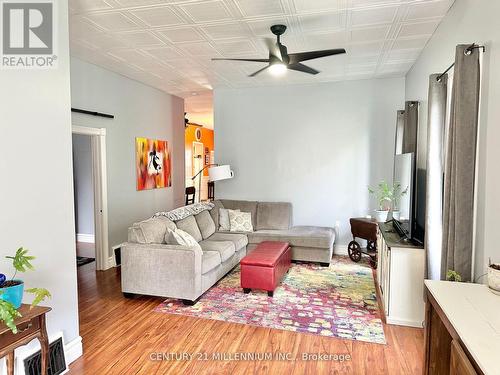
x=304 y=56
x=273 y=48
x=302 y=68
x=259 y=71
x=251 y=60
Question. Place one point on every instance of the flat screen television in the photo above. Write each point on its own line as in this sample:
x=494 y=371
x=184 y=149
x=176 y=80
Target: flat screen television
x=404 y=172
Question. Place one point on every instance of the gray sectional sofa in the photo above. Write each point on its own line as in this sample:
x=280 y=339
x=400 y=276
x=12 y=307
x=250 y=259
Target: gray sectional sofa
x=151 y=267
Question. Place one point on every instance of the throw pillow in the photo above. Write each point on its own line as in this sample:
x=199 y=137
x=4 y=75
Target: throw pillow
x=224 y=223
x=240 y=221
x=179 y=237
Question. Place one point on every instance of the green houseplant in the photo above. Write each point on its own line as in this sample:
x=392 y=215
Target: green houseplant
x=383 y=192
x=11 y=290
x=387 y=197
x=452 y=275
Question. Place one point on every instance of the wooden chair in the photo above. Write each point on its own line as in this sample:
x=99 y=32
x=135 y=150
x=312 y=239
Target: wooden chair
x=211 y=191
x=190 y=194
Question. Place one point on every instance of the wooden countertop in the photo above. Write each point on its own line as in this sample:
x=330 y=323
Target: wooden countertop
x=474 y=313
x=392 y=238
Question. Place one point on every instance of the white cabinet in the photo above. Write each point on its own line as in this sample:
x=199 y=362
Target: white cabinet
x=400 y=278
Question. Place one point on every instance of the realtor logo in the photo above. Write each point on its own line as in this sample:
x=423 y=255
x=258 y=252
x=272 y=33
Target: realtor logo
x=27 y=34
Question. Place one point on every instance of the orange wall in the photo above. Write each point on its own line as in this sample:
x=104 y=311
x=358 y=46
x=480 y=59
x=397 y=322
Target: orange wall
x=207 y=138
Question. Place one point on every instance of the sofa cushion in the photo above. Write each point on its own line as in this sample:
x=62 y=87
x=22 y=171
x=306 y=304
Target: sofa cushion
x=226 y=249
x=214 y=212
x=209 y=261
x=150 y=230
x=274 y=215
x=304 y=236
x=240 y=221
x=245 y=206
x=190 y=226
x=205 y=224
x=239 y=240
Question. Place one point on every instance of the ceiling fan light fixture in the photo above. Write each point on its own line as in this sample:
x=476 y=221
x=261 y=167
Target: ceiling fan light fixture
x=277 y=69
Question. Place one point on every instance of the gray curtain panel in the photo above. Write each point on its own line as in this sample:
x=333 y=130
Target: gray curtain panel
x=436 y=125
x=400 y=129
x=458 y=207
x=410 y=127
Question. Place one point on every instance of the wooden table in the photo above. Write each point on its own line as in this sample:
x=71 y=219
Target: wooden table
x=30 y=326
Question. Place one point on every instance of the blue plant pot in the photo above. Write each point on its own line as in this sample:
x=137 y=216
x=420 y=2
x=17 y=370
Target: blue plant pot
x=13 y=294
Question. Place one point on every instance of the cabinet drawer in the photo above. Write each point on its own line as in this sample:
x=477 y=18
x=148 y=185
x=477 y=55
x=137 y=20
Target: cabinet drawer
x=23 y=330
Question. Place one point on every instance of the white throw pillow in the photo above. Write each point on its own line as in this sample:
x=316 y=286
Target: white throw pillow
x=240 y=221
x=179 y=237
x=224 y=223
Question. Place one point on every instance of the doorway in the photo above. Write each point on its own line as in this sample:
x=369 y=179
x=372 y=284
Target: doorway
x=199 y=151
x=90 y=189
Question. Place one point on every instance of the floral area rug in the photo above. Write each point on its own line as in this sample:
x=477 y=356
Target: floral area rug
x=339 y=301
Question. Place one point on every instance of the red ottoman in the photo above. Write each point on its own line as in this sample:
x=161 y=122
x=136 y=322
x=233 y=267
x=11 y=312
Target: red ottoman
x=264 y=267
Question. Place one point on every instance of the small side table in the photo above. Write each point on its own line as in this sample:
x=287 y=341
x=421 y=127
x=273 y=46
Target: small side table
x=30 y=326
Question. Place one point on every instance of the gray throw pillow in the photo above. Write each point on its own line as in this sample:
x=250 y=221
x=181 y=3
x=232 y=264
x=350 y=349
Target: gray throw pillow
x=224 y=223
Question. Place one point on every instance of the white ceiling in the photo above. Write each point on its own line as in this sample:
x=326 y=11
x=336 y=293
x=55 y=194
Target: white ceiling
x=168 y=44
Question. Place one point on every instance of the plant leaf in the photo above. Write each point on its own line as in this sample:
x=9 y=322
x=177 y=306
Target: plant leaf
x=40 y=295
x=21 y=261
x=7 y=315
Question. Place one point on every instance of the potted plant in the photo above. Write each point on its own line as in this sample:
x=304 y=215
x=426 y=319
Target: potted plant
x=397 y=194
x=384 y=198
x=452 y=275
x=11 y=291
x=494 y=277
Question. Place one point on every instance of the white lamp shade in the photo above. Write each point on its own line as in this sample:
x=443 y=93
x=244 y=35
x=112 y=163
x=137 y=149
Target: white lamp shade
x=221 y=172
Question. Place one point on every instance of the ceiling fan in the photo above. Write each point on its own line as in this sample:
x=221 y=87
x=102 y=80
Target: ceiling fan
x=280 y=60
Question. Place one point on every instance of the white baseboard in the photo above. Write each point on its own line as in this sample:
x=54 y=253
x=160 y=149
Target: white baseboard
x=73 y=350
x=340 y=250
x=83 y=237
x=404 y=322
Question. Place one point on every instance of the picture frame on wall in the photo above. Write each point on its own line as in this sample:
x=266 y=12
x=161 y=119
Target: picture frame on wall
x=153 y=164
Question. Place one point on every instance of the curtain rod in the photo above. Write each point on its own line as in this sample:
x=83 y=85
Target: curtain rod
x=92 y=113
x=467 y=51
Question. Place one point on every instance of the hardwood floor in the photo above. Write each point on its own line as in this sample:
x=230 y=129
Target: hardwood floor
x=120 y=336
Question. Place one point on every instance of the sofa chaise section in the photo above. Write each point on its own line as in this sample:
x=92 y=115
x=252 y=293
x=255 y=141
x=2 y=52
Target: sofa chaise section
x=273 y=222
x=308 y=243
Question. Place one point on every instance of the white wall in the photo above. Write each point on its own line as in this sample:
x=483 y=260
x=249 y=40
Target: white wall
x=317 y=146
x=36 y=182
x=83 y=185
x=140 y=111
x=471 y=21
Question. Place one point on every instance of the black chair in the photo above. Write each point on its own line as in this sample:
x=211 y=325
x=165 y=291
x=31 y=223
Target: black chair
x=211 y=191
x=190 y=194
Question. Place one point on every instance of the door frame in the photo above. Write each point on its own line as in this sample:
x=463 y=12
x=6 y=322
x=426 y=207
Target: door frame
x=99 y=182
